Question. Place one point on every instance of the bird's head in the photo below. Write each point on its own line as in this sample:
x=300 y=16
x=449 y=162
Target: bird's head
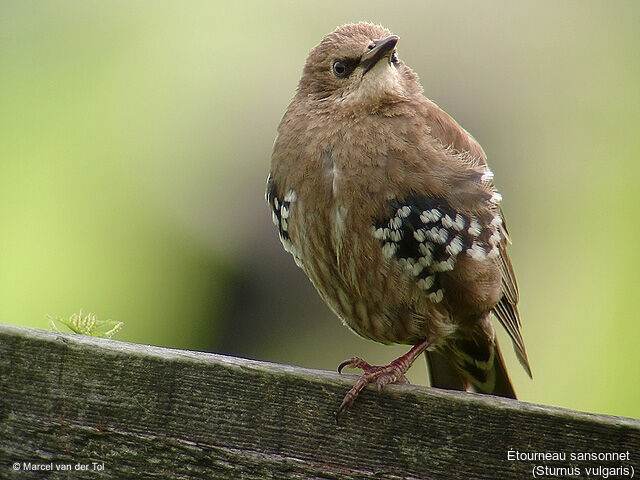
x=358 y=64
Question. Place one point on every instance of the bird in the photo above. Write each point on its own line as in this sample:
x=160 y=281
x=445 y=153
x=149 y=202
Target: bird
x=389 y=207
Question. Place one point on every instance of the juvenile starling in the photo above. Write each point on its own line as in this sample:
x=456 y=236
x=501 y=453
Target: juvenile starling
x=389 y=207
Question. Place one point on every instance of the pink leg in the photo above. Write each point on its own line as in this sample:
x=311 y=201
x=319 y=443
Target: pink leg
x=380 y=375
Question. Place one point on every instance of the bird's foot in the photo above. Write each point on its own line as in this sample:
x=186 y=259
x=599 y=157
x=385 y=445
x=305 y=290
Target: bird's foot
x=380 y=375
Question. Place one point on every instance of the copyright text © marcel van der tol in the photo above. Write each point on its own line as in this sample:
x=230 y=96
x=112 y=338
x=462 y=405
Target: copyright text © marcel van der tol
x=58 y=467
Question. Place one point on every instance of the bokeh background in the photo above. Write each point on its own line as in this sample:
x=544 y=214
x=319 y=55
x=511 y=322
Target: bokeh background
x=134 y=147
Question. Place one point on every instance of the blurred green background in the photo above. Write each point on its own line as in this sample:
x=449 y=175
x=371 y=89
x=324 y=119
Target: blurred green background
x=134 y=147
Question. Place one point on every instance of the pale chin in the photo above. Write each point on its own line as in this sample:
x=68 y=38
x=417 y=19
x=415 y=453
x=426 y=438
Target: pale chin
x=382 y=80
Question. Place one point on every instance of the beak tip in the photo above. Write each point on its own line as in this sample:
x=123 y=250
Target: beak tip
x=381 y=48
x=389 y=42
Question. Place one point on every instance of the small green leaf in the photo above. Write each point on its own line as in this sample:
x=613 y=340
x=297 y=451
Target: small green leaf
x=88 y=325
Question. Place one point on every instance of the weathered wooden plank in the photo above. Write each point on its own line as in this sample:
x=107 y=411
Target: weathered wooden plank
x=148 y=412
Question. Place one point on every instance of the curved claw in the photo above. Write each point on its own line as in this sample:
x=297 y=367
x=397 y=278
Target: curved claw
x=343 y=406
x=352 y=394
x=346 y=363
x=357 y=362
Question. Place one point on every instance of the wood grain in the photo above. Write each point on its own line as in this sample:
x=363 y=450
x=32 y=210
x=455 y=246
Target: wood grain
x=149 y=412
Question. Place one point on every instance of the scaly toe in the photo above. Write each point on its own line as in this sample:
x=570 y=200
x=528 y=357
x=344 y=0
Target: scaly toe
x=387 y=375
x=381 y=376
x=373 y=374
x=357 y=362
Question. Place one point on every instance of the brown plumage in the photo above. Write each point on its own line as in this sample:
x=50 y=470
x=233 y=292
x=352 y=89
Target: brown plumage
x=389 y=207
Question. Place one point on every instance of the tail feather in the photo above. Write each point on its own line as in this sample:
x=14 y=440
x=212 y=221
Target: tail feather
x=442 y=374
x=502 y=386
x=469 y=364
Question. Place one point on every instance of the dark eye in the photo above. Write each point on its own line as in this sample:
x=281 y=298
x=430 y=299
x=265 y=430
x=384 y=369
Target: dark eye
x=339 y=68
x=394 y=58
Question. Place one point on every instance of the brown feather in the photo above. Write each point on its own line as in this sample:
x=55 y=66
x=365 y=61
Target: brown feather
x=349 y=152
x=506 y=311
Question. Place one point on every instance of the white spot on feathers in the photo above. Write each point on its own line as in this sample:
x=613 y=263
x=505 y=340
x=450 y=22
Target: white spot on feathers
x=419 y=235
x=476 y=252
x=447 y=222
x=417 y=269
x=495 y=198
x=474 y=227
x=426 y=283
x=381 y=233
x=389 y=249
x=487 y=175
x=443 y=266
x=455 y=246
x=459 y=223
x=403 y=212
x=495 y=238
x=437 y=296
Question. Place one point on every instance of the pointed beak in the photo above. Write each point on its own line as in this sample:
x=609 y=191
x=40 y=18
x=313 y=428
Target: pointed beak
x=380 y=49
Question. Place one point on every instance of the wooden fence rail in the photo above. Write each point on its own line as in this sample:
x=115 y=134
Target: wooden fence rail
x=80 y=407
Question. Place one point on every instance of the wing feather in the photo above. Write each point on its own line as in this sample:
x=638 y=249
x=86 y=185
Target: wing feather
x=506 y=311
x=449 y=133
